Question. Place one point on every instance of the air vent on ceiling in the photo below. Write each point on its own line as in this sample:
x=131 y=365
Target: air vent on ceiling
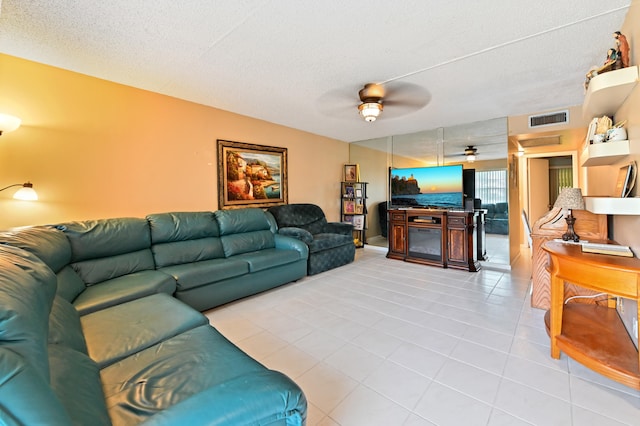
x=540 y=141
x=558 y=117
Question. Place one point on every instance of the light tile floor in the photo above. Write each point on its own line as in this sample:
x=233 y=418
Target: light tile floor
x=385 y=342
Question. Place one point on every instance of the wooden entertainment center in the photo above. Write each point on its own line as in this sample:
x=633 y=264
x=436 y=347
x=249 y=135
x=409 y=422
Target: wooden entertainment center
x=434 y=237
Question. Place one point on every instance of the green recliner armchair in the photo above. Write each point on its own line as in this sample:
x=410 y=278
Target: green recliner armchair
x=330 y=243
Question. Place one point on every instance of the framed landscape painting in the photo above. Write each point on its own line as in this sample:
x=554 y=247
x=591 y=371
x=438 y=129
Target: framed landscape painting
x=251 y=175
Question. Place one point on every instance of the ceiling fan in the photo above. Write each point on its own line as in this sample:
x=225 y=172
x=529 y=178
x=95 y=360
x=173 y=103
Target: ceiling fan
x=470 y=153
x=374 y=96
x=395 y=98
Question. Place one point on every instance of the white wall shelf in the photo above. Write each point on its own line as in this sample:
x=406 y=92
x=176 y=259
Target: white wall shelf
x=608 y=91
x=613 y=205
x=602 y=154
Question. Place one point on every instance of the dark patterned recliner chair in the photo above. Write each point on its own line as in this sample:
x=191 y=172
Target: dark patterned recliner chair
x=330 y=243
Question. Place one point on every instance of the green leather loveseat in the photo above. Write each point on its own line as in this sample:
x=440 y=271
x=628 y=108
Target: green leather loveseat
x=90 y=333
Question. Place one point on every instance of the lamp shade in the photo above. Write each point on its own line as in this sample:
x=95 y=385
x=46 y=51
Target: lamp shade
x=570 y=198
x=370 y=110
x=8 y=123
x=26 y=193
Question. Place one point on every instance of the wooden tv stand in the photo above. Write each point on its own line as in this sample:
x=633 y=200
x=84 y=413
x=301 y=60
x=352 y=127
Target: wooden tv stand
x=592 y=334
x=434 y=237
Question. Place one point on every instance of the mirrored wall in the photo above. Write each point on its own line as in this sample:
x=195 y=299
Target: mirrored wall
x=437 y=147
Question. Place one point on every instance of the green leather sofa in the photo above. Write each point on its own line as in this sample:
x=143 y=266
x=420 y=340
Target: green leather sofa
x=90 y=332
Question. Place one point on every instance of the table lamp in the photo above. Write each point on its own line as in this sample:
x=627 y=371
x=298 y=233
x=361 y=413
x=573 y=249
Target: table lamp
x=570 y=198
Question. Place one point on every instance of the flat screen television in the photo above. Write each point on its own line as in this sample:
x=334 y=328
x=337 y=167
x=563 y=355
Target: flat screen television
x=428 y=187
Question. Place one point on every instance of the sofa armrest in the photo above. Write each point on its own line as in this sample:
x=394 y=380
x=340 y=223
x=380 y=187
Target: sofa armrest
x=289 y=243
x=339 y=228
x=263 y=398
x=299 y=233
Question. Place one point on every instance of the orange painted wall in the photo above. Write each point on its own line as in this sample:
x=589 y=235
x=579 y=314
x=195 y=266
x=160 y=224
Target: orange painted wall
x=96 y=149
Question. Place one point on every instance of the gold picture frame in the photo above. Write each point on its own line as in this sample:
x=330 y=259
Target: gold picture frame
x=351 y=173
x=251 y=175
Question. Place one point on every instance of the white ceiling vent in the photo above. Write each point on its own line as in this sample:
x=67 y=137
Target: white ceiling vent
x=558 y=117
x=540 y=141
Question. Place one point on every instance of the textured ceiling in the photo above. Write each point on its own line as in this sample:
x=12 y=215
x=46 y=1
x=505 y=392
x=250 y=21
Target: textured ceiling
x=300 y=63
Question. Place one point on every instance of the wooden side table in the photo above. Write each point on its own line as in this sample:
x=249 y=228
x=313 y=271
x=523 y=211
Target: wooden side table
x=592 y=334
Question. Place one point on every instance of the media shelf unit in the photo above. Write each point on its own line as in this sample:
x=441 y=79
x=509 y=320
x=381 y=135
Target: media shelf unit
x=441 y=238
x=353 y=209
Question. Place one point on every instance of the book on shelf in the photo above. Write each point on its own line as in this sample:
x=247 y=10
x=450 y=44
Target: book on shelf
x=612 y=249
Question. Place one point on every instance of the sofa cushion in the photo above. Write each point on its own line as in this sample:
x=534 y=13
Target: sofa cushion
x=156 y=378
x=327 y=241
x=184 y=237
x=274 y=400
x=244 y=231
x=123 y=289
x=75 y=379
x=47 y=243
x=191 y=275
x=27 y=399
x=70 y=285
x=176 y=253
x=241 y=220
x=247 y=242
x=182 y=226
x=269 y=258
x=151 y=320
x=27 y=289
x=92 y=239
x=64 y=326
x=94 y=271
x=306 y=216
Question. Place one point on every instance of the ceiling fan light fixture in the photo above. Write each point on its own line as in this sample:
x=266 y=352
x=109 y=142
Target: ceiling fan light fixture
x=370 y=110
x=470 y=153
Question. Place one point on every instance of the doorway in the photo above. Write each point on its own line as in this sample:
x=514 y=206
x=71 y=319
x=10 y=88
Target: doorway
x=545 y=177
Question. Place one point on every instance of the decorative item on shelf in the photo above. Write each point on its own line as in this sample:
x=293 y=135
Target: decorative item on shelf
x=26 y=193
x=351 y=173
x=570 y=199
x=626 y=180
x=617 y=58
x=8 y=123
x=617 y=132
x=622 y=47
x=349 y=191
x=601 y=126
x=349 y=206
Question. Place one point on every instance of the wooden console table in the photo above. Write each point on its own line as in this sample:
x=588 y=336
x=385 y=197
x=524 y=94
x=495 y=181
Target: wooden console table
x=434 y=237
x=592 y=334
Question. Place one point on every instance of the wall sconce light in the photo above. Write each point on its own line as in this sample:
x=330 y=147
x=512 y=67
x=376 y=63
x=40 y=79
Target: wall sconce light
x=26 y=193
x=370 y=110
x=8 y=123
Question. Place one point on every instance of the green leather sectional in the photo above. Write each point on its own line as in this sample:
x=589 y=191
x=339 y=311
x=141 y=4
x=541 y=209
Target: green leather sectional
x=99 y=321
